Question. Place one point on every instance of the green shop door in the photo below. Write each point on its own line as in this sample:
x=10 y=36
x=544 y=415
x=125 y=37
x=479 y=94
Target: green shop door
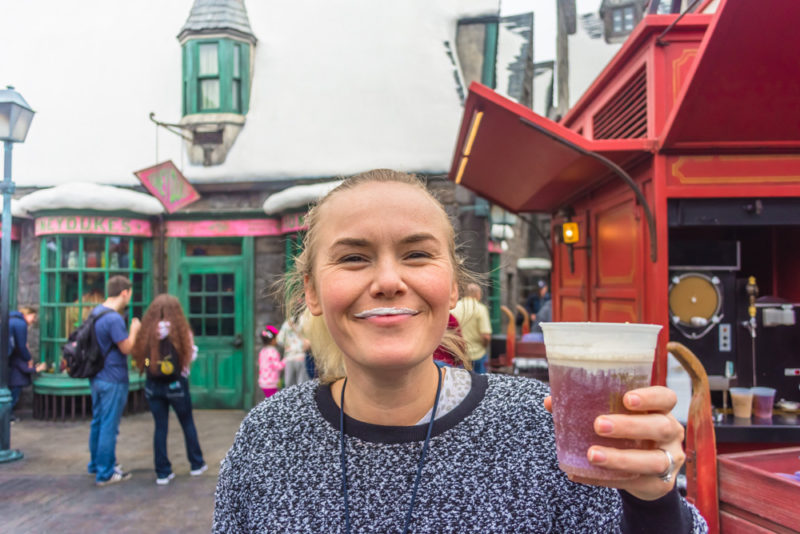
x=211 y=291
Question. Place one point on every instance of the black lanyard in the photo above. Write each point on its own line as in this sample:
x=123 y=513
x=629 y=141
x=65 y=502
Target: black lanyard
x=419 y=465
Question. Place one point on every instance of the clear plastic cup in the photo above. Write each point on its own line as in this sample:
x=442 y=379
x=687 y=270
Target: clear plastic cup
x=763 y=399
x=591 y=366
x=742 y=400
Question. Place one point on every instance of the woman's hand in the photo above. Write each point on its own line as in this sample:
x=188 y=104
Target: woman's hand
x=652 y=422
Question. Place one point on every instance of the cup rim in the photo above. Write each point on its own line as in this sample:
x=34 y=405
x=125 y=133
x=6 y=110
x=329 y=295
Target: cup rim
x=741 y=391
x=763 y=391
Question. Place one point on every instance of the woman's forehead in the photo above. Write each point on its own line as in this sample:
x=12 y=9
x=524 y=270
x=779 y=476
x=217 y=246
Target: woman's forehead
x=386 y=204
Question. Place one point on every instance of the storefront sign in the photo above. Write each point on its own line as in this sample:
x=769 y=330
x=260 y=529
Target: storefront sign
x=92 y=224
x=293 y=222
x=168 y=185
x=14 y=232
x=237 y=228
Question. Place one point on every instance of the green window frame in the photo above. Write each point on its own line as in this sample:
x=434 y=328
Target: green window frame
x=12 y=275
x=216 y=76
x=74 y=272
x=494 y=292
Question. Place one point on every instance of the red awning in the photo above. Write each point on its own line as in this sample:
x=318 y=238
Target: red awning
x=742 y=92
x=524 y=162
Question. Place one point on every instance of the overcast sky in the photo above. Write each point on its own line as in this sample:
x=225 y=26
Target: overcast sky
x=544 y=47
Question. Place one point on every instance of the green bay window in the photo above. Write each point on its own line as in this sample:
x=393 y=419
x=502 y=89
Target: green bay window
x=495 y=314
x=74 y=271
x=215 y=76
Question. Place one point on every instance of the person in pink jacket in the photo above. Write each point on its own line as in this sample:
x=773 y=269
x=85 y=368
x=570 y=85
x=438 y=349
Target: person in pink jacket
x=270 y=364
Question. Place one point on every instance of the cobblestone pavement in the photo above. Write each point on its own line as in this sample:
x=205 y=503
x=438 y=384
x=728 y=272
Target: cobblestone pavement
x=49 y=490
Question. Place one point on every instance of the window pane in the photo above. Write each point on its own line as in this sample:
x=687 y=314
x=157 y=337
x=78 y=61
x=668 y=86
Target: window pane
x=196 y=283
x=235 y=95
x=212 y=326
x=617 y=21
x=94 y=252
x=197 y=326
x=237 y=58
x=118 y=251
x=227 y=326
x=195 y=305
x=212 y=282
x=209 y=64
x=227 y=283
x=51 y=253
x=227 y=304
x=211 y=305
x=93 y=291
x=69 y=252
x=209 y=94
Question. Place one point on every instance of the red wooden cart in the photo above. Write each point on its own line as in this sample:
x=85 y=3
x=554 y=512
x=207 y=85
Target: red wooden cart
x=691 y=134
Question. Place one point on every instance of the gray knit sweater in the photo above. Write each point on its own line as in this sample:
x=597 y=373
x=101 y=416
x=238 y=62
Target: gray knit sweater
x=491 y=467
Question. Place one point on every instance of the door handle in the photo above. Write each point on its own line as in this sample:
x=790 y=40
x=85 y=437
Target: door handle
x=237 y=341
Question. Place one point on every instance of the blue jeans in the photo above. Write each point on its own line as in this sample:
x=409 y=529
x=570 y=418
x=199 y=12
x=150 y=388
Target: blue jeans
x=108 y=402
x=160 y=396
x=15 y=392
x=479 y=365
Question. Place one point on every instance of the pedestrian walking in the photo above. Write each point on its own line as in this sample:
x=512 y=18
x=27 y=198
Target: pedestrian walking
x=295 y=345
x=476 y=327
x=164 y=351
x=269 y=361
x=20 y=362
x=387 y=441
x=109 y=387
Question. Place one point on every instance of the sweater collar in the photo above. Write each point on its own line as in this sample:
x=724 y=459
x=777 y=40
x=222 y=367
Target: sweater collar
x=400 y=434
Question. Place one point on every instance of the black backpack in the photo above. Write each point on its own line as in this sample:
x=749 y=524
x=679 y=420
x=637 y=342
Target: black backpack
x=167 y=368
x=82 y=353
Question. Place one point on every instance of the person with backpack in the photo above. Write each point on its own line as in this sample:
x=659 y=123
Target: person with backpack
x=109 y=386
x=164 y=350
x=20 y=363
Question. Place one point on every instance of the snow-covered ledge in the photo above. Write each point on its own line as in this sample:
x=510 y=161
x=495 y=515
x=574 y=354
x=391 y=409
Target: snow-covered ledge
x=17 y=210
x=298 y=196
x=90 y=196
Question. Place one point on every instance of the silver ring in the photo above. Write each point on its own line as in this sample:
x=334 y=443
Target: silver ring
x=666 y=476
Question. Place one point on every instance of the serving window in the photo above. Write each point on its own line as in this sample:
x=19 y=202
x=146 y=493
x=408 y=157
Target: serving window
x=74 y=272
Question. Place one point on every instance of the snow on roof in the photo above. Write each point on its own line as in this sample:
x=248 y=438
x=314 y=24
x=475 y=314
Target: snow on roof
x=337 y=87
x=17 y=210
x=210 y=15
x=86 y=195
x=298 y=196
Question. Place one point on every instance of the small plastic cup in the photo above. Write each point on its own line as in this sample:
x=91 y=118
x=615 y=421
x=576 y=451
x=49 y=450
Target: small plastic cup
x=591 y=366
x=763 y=399
x=742 y=400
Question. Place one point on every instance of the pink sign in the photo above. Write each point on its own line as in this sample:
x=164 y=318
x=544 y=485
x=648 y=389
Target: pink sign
x=241 y=227
x=293 y=222
x=494 y=248
x=14 y=232
x=92 y=224
x=168 y=185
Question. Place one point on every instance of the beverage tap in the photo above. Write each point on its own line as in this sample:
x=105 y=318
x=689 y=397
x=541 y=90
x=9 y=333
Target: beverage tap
x=750 y=325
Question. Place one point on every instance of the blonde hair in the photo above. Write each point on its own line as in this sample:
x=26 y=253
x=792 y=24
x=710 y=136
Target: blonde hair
x=328 y=357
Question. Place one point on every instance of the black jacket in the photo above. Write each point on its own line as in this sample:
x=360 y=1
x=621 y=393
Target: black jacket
x=19 y=374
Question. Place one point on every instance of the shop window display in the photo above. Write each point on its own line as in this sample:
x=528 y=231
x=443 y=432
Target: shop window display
x=74 y=274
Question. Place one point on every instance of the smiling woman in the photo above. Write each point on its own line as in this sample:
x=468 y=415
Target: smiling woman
x=385 y=439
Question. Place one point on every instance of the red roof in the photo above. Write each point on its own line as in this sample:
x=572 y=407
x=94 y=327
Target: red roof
x=524 y=162
x=743 y=90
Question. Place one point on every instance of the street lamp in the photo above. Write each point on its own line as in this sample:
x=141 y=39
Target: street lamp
x=15 y=119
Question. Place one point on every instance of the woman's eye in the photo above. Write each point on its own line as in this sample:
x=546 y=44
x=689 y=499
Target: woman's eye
x=418 y=254
x=351 y=258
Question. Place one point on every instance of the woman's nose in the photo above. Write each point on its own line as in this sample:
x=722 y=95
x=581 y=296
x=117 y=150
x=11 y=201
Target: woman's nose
x=388 y=280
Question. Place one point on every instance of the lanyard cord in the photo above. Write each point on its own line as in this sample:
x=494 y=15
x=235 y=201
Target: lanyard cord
x=419 y=465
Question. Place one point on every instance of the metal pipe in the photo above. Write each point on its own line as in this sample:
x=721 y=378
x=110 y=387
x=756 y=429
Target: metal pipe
x=7 y=188
x=616 y=169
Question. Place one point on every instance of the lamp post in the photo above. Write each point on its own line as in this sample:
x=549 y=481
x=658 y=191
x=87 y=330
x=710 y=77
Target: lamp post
x=15 y=119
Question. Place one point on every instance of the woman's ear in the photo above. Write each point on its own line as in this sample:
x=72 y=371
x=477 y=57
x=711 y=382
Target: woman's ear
x=454 y=294
x=312 y=299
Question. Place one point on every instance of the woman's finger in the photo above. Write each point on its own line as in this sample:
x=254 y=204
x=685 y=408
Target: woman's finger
x=650 y=399
x=548 y=403
x=651 y=462
x=658 y=427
